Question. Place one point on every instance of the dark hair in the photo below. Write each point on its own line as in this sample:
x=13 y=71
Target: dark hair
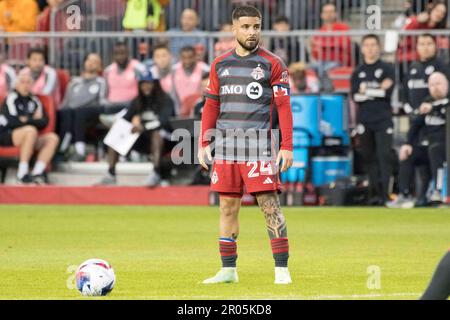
x=281 y=19
x=246 y=11
x=427 y=35
x=157 y=97
x=187 y=49
x=442 y=24
x=36 y=50
x=120 y=44
x=371 y=36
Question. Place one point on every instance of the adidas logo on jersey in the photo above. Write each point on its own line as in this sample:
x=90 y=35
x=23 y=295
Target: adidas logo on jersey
x=225 y=73
x=267 y=181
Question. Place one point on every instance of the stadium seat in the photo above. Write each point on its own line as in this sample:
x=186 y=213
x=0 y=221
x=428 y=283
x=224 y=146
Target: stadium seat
x=10 y=155
x=340 y=77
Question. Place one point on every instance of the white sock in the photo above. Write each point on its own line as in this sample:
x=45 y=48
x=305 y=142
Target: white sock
x=39 y=168
x=80 y=148
x=22 y=170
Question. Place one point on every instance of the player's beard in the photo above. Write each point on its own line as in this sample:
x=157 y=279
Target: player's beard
x=248 y=47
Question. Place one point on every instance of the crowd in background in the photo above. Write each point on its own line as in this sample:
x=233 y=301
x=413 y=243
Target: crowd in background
x=150 y=92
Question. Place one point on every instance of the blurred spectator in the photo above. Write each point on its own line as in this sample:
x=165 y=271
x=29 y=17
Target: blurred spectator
x=330 y=51
x=187 y=83
x=89 y=90
x=149 y=113
x=302 y=80
x=122 y=76
x=144 y=15
x=7 y=78
x=22 y=115
x=225 y=43
x=432 y=122
x=162 y=66
x=434 y=18
x=18 y=15
x=189 y=22
x=43 y=20
x=372 y=84
x=284 y=47
x=44 y=76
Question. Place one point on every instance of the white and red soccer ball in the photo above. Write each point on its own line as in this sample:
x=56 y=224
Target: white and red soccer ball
x=95 y=277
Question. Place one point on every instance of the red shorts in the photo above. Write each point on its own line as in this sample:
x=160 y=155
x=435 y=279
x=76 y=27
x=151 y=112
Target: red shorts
x=231 y=176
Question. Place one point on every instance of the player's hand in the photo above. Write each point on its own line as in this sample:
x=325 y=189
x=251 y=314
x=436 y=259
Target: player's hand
x=405 y=152
x=287 y=157
x=425 y=108
x=202 y=152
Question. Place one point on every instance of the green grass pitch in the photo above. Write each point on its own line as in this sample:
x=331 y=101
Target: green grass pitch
x=165 y=252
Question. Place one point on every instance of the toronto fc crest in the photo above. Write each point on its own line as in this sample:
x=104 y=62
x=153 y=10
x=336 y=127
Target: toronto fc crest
x=258 y=73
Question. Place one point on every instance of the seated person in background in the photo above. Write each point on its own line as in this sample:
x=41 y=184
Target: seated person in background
x=121 y=76
x=21 y=117
x=189 y=22
x=330 y=51
x=302 y=81
x=18 y=15
x=44 y=76
x=225 y=43
x=162 y=66
x=7 y=77
x=87 y=90
x=149 y=113
x=432 y=119
x=187 y=81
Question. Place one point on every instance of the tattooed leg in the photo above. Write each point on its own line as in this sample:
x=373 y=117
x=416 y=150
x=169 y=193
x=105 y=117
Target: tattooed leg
x=275 y=221
x=276 y=227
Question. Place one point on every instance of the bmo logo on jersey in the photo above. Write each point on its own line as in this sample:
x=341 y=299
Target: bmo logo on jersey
x=254 y=90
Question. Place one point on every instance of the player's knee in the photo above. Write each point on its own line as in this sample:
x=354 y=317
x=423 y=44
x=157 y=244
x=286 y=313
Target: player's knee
x=30 y=131
x=229 y=208
x=52 y=138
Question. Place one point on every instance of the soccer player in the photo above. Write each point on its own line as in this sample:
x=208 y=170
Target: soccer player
x=372 y=85
x=244 y=85
x=439 y=287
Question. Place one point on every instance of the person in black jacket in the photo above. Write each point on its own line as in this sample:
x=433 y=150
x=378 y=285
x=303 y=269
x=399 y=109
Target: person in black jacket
x=21 y=117
x=372 y=84
x=431 y=121
x=149 y=114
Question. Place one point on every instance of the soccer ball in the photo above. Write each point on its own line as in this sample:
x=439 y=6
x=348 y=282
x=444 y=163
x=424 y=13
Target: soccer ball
x=95 y=277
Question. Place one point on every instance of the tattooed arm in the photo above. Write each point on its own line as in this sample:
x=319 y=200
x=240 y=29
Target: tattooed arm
x=275 y=221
